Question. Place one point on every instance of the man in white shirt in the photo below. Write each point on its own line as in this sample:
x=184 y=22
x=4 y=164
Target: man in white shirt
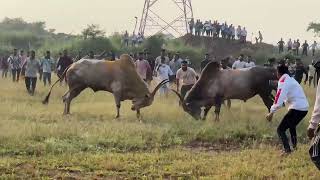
x=187 y=76
x=314 y=133
x=142 y=67
x=290 y=45
x=163 y=73
x=159 y=58
x=240 y=63
x=312 y=73
x=244 y=35
x=250 y=63
x=289 y=92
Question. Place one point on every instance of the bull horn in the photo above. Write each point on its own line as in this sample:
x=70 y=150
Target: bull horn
x=158 y=87
x=178 y=94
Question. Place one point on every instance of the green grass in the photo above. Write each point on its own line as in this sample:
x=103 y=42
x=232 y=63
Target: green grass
x=36 y=141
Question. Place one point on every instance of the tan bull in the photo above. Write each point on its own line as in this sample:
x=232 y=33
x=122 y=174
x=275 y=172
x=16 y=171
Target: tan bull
x=117 y=77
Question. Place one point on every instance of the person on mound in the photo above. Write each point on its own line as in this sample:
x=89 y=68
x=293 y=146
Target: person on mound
x=289 y=92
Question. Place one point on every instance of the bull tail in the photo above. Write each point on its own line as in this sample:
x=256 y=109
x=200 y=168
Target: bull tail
x=46 y=100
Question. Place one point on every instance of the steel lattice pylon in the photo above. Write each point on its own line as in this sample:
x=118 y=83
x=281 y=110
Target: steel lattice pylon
x=153 y=21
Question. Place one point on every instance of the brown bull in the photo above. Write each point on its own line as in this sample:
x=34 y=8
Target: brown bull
x=216 y=85
x=117 y=77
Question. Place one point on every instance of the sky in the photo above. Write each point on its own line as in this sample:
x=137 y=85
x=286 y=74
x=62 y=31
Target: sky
x=275 y=18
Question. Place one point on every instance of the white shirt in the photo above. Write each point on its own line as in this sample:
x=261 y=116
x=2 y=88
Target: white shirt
x=244 y=32
x=290 y=92
x=164 y=71
x=313 y=46
x=315 y=118
x=239 y=64
x=188 y=77
x=312 y=71
x=250 y=64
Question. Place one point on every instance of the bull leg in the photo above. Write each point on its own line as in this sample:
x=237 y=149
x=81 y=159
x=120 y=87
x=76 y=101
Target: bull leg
x=139 y=115
x=118 y=104
x=229 y=104
x=69 y=96
x=218 y=102
x=268 y=102
x=206 y=110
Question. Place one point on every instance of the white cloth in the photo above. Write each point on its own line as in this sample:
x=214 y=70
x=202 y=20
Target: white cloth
x=290 y=92
x=239 y=64
x=315 y=118
x=312 y=71
x=163 y=72
x=188 y=77
x=314 y=46
x=250 y=64
x=158 y=60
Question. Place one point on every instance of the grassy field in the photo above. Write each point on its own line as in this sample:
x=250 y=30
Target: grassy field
x=37 y=142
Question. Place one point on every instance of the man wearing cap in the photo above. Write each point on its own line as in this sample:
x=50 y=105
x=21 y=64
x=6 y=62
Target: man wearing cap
x=142 y=67
x=205 y=61
x=187 y=76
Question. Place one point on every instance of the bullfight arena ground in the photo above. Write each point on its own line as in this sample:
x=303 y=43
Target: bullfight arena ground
x=37 y=142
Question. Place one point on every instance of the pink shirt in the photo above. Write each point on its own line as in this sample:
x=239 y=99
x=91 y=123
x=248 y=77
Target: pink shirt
x=143 y=67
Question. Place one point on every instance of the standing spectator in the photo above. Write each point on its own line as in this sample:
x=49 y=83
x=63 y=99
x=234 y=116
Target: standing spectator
x=295 y=46
x=312 y=74
x=159 y=58
x=15 y=64
x=299 y=71
x=260 y=37
x=233 y=32
x=289 y=44
x=313 y=47
x=47 y=64
x=305 y=47
x=191 y=26
x=218 y=29
x=291 y=93
x=175 y=64
x=298 y=47
x=317 y=66
x=207 y=28
x=281 y=45
x=239 y=32
x=205 y=62
x=140 y=39
x=126 y=38
x=250 y=62
x=197 y=28
x=32 y=66
x=23 y=58
x=187 y=76
x=5 y=67
x=64 y=62
x=163 y=73
x=143 y=67
x=133 y=40
x=240 y=63
x=244 y=35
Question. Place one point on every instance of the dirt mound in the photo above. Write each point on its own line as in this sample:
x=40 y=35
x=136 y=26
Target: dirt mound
x=221 y=48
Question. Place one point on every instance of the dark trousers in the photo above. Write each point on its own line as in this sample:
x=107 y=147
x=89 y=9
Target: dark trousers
x=46 y=77
x=314 y=149
x=290 y=121
x=15 y=75
x=304 y=52
x=31 y=83
x=4 y=73
x=185 y=89
x=280 y=49
x=313 y=52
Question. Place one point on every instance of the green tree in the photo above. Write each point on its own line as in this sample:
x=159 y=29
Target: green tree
x=315 y=27
x=92 y=31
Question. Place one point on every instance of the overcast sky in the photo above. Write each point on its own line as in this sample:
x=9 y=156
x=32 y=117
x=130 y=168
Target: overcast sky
x=275 y=18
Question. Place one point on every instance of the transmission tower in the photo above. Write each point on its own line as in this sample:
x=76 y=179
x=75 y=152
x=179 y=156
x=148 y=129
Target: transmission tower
x=166 y=16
